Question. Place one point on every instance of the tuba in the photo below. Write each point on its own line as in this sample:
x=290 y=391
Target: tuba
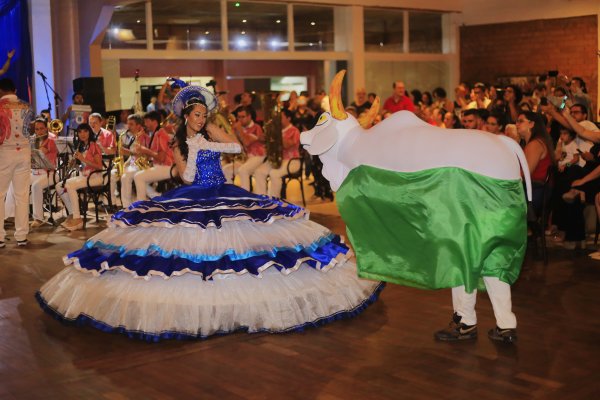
x=272 y=129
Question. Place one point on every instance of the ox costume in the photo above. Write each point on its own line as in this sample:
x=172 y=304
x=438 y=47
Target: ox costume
x=208 y=258
x=429 y=208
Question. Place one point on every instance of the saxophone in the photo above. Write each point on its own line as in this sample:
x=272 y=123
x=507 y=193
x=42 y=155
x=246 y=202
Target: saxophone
x=141 y=162
x=118 y=160
x=272 y=129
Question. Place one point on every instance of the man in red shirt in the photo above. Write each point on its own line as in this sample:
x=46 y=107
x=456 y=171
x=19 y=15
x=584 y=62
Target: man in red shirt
x=105 y=138
x=135 y=125
x=253 y=140
x=398 y=101
x=161 y=154
x=291 y=142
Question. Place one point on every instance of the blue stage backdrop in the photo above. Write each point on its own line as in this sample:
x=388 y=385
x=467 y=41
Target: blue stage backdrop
x=14 y=20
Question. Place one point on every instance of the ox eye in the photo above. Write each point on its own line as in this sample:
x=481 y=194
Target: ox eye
x=322 y=119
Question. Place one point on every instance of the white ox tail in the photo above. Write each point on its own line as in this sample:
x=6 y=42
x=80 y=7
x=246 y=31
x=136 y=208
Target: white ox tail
x=514 y=146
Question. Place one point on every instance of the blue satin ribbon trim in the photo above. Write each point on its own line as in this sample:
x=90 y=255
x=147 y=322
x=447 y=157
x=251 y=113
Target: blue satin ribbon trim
x=230 y=253
x=204 y=206
x=92 y=259
x=83 y=319
x=204 y=219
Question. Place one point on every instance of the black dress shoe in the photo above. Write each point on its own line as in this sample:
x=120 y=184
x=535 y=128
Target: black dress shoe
x=456 y=331
x=22 y=243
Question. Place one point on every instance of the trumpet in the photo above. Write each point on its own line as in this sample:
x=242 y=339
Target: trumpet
x=55 y=126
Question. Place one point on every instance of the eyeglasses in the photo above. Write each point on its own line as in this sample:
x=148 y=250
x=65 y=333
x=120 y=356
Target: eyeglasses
x=522 y=121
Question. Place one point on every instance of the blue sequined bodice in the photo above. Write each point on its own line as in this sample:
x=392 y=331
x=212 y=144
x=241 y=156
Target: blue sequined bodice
x=208 y=169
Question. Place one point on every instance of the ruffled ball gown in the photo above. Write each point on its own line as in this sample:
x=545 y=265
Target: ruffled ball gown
x=208 y=258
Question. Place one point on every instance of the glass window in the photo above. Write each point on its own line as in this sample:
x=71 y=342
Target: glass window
x=313 y=28
x=257 y=26
x=384 y=30
x=127 y=28
x=186 y=25
x=425 y=32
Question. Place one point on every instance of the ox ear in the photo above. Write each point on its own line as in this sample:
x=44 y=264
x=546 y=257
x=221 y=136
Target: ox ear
x=322 y=141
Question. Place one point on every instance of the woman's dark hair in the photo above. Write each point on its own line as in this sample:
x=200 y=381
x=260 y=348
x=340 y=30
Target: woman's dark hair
x=87 y=127
x=181 y=133
x=500 y=118
x=517 y=91
x=455 y=121
x=581 y=83
x=417 y=96
x=439 y=92
x=429 y=99
x=538 y=132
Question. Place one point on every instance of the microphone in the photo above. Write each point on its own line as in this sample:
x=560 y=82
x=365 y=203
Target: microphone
x=40 y=73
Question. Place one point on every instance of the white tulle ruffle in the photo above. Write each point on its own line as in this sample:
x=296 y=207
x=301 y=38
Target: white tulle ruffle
x=236 y=240
x=191 y=306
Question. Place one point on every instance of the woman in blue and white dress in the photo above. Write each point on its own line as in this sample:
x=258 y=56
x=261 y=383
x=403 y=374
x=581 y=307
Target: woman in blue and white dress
x=207 y=258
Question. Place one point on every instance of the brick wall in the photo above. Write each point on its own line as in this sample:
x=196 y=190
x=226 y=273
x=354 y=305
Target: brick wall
x=531 y=48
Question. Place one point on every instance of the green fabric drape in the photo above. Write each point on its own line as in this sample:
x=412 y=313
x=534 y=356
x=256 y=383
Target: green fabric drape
x=436 y=228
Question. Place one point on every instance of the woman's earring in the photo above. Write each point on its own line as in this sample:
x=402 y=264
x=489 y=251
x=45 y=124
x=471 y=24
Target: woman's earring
x=185 y=121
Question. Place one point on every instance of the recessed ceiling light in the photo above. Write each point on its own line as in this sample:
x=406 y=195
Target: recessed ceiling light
x=313 y=23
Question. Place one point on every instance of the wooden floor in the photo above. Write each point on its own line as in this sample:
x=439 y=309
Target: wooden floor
x=387 y=352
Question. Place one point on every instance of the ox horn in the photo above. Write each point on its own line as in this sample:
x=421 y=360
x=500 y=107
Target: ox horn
x=335 y=97
x=366 y=120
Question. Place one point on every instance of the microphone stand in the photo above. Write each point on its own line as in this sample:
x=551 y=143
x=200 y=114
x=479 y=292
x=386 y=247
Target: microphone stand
x=57 y=97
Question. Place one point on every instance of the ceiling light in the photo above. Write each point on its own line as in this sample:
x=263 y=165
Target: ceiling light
x=278 y=21
x=206 y=33
x=138 y=21
x=244 y=21
x=313 y=23
x=243 y=32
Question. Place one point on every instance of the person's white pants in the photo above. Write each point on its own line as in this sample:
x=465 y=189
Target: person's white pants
x=247 y=169
x=230 y=170
x=275 y=175
x=499 y=292
x=144 y=178
x=15 y=168
x=127 y=185
x=68 y=193
x=40 y=180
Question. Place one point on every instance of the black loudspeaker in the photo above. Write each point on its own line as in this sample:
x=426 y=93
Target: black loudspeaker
x=92 y=90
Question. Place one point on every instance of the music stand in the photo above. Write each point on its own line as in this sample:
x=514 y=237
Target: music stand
x=39 y=161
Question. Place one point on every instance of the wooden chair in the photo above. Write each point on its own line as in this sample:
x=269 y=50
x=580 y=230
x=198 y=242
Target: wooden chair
x=298 y=175
x=539 y=224
x=96 y=193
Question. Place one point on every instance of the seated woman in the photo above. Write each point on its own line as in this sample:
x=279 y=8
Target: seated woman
x=89 y=155
x=539 y=152
x=200 y=249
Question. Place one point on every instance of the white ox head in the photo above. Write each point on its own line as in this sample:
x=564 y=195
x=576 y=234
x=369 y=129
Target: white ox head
x=332 y=130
